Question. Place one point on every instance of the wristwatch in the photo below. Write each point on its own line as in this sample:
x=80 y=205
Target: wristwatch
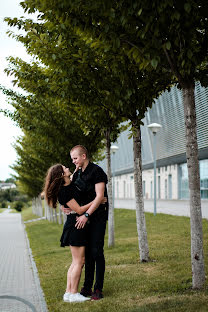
x=86 y=215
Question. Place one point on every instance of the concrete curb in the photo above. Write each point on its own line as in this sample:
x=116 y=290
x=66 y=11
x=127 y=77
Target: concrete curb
x=35 y=274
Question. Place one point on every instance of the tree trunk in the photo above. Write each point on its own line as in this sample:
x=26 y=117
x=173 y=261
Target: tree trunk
x=45 y=209
x=140 y=215
x=52 y=214
x=33 y=205
x=111 y=236
x=64 y=217
x=60 y=214
x=40 y=205
x=55 y=216
x=197 y=257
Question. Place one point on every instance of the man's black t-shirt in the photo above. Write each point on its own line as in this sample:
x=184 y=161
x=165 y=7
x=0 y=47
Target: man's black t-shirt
x=92 y=175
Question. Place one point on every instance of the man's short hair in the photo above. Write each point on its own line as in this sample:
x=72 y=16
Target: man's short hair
x=82 y=150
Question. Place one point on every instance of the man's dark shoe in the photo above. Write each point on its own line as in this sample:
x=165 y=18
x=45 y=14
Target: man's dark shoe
x=86 y=292
x=97 y=295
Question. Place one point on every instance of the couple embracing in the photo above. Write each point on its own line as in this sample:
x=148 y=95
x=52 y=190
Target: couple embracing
x=83 y=196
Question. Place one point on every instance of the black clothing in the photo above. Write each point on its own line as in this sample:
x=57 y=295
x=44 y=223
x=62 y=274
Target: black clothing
x=94 y=253
x=92 y=175
x=71 y=236
x=68 y=192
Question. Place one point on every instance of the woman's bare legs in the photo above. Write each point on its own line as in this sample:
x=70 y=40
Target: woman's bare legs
x=68 y=286
x=75 y=270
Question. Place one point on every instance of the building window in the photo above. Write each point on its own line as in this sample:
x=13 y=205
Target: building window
x=127 y=193
x=204 y=178
x=166 y=189
x=151 y=191
x=170 y=186
x=158 y=187
x=117 y=189
x=183 y=182
x=144 y=188
x=166 y=168
x=131 y=186
x=124 y=189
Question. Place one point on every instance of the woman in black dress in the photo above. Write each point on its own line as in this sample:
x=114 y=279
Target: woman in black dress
x=59 y=187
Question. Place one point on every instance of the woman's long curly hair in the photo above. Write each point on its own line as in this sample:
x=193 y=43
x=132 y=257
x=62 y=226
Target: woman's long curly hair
x=53 y=181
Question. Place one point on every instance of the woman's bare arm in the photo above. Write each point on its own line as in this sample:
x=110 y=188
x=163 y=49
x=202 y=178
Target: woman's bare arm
x=72 y=204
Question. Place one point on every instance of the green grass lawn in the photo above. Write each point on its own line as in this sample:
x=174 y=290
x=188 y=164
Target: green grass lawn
x=11 y=210
x=163 y=284
x=2 y=209
x=28 y=215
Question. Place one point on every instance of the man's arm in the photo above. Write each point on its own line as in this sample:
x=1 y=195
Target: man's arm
x=99 y=190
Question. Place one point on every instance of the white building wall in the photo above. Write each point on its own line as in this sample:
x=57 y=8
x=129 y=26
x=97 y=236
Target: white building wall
x=168 y=175
x=124 y=186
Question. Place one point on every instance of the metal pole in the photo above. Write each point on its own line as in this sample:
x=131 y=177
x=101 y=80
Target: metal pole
x=155 y=208
x=113 y=179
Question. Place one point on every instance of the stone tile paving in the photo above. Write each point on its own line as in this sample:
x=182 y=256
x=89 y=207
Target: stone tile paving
x=20 y=289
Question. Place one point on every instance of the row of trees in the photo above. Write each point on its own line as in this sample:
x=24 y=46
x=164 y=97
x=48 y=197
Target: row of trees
x=97 y=64
x=10 y=195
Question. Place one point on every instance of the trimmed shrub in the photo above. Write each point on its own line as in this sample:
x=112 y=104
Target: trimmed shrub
x=18 y=205
x=3 y=204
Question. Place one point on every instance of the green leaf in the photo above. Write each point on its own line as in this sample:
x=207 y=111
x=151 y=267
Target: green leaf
x=187 y=7
x=135 y=53
x=168 y=45
x=59 y=39
x=190 y=54
x=117 y=42
x=154 y=63
x=176 y=15
x=139 y=12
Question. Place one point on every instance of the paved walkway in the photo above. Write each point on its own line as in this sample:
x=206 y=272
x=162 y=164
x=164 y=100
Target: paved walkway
x=173 y=207
x=19 y=283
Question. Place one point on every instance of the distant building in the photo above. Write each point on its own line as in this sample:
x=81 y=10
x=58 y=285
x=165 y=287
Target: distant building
x=6 y=186
x=172 y=173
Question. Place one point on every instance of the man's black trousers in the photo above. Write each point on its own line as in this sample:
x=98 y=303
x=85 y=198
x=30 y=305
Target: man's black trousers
x=94 y=254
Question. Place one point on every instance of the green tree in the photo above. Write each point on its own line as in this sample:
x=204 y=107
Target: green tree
x=10 y=180
x=173 y=35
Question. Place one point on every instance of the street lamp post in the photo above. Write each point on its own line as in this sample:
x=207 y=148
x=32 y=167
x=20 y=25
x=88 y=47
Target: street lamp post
x=154 y=127
x=113 y=148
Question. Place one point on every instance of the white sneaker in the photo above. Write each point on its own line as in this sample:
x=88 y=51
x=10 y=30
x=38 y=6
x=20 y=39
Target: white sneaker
x=66 y=296
x=77 y=298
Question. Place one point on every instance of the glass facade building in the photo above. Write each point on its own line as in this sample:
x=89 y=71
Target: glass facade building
x=183 y=180
x=172 y=174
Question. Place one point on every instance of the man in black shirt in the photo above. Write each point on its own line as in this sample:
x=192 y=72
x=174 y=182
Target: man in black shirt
x=92 y=180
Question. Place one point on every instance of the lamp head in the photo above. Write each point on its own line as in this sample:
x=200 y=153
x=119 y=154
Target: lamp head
x=154 y=127
x=114 y=148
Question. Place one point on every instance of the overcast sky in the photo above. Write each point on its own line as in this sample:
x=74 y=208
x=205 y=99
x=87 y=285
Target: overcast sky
x=9 y=47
